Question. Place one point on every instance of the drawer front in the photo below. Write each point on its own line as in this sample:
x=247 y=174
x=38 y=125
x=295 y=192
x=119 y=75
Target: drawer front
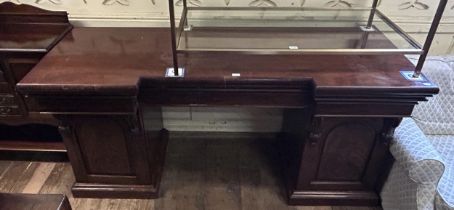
x=8 y=100
x=10 y=110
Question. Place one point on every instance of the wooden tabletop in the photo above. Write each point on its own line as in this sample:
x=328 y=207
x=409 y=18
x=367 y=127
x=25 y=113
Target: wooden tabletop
x=120 y=61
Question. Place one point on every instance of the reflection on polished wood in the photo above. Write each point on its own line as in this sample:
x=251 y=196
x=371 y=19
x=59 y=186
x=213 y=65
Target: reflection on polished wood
x=30 y=37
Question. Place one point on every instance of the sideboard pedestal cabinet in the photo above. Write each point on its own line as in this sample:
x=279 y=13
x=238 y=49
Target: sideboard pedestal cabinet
x=341 y=161
x=112 y=156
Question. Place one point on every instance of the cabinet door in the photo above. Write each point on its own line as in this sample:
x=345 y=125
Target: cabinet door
x=341 y=154
x=108 y=150
x=342 y=161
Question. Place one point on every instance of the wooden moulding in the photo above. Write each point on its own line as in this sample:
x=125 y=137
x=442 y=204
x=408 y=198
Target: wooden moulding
x=337 y=198
x=93 y=190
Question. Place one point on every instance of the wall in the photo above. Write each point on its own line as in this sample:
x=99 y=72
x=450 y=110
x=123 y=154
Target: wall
x=218 y=119
x=412 y=15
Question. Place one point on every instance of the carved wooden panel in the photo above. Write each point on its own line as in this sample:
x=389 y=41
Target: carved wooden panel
x=346 y=152
x=104 y=148
x=341 y=161
x=333 y=153
x=112 y=156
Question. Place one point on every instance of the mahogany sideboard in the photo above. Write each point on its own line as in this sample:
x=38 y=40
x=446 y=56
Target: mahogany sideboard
x=341 y=110
x=26 y=35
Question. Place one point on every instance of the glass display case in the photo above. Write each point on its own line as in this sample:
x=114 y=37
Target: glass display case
x=292 y=30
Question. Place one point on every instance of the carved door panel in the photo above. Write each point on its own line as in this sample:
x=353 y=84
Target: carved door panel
x=342 y=155
x=339 y=151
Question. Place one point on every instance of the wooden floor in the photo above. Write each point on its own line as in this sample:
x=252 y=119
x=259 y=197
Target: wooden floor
x=203 y=173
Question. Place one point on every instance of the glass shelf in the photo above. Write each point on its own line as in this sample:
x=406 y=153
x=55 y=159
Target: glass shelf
x=290 y=31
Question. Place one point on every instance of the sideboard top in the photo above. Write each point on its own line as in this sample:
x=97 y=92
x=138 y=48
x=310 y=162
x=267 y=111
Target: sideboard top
x=120 y=61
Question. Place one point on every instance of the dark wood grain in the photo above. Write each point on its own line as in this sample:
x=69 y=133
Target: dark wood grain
x=38 y=202
x=111 y=157
x=341 y=161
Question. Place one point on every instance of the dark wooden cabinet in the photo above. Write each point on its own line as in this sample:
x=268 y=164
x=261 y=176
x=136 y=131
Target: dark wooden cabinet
x=337 y=151
x=26 y=35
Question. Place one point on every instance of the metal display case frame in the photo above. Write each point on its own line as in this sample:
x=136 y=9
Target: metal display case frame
x=422 y=50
